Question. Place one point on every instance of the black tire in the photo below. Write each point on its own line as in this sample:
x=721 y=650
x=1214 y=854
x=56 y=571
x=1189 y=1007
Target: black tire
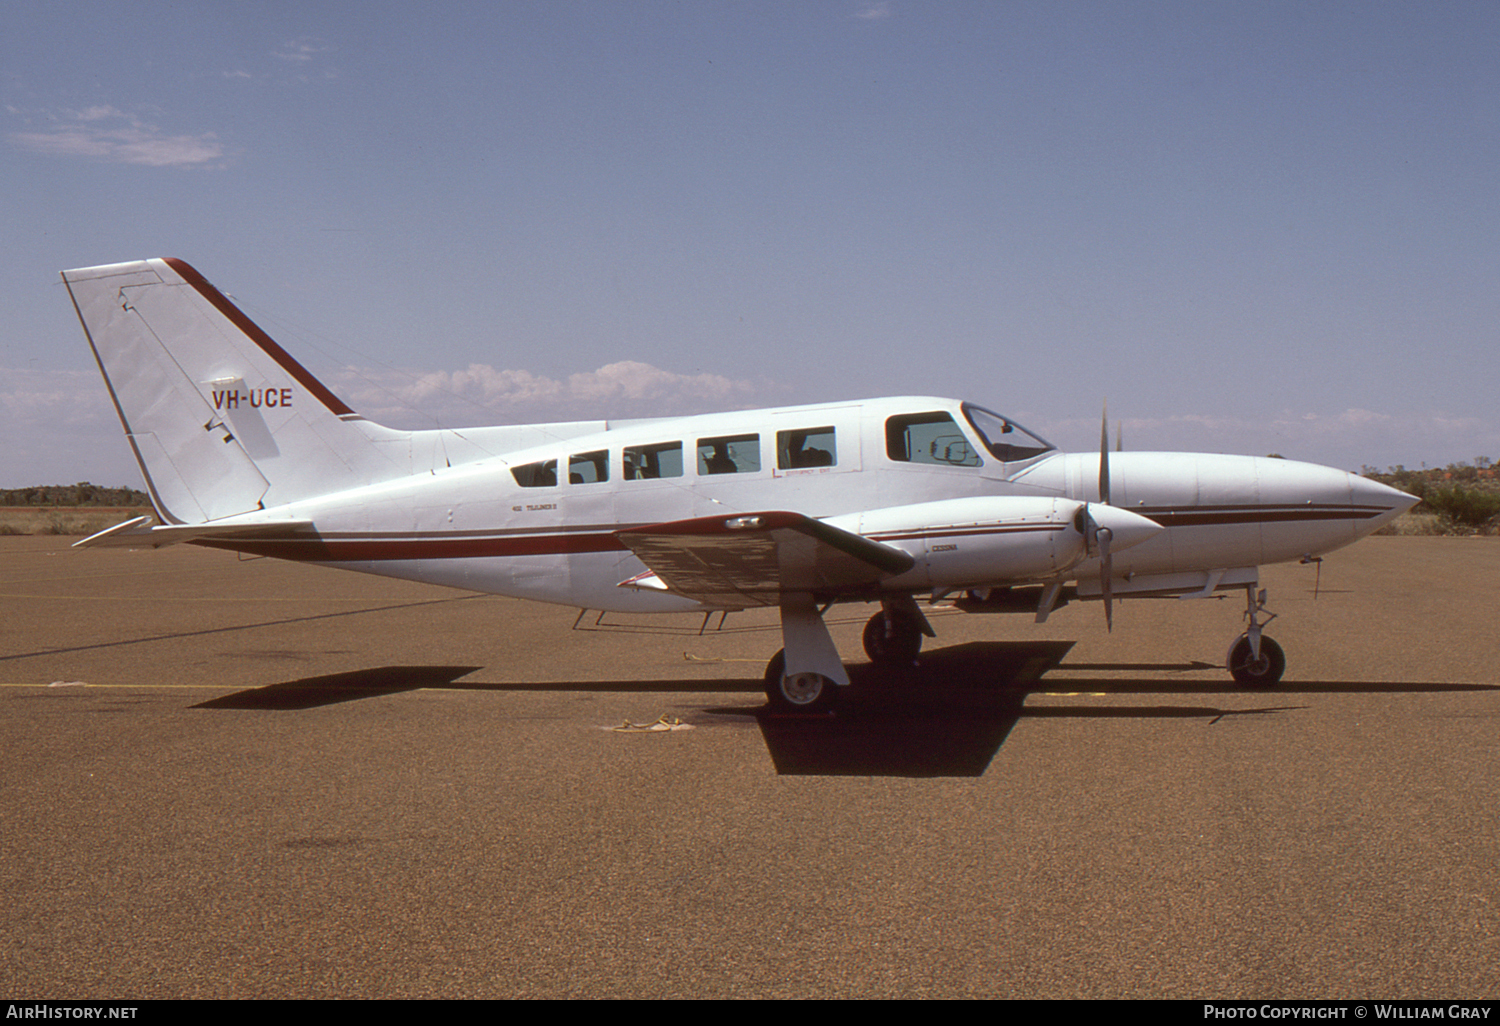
x=803 y=693
x=1263 y=673
x=896 y=644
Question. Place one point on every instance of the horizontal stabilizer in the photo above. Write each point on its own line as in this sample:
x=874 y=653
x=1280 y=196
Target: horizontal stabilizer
x=138 y=534
x=752 y=559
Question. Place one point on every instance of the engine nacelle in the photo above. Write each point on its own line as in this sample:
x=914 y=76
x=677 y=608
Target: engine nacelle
x=993 y=539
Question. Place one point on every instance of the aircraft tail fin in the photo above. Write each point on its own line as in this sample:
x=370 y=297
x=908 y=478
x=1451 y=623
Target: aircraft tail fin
x=221 y=420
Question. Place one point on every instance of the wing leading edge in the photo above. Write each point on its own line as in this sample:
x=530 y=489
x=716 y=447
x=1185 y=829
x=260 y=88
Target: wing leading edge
x=753 y=559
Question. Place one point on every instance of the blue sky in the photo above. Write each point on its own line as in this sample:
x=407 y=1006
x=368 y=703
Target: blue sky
x=1252 y=227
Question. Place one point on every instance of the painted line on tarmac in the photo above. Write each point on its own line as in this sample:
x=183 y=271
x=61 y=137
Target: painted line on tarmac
x=175 y=635
x=157 y=599
x=73 y=685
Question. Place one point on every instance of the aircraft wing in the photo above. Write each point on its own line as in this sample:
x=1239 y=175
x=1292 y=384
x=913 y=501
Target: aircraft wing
x=752 y=559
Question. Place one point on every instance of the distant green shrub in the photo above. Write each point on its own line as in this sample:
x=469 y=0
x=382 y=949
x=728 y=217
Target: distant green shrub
x=80 y=494
x=1463 y=508
x=1461 y=498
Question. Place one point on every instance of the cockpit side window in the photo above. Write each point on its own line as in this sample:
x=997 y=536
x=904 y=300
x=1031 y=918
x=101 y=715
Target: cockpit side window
x=1006 y=440
x=929 y=438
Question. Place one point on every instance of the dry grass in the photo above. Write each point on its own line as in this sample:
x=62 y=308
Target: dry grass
x=1416 y=524
x=64 y=520
x=1419 y=523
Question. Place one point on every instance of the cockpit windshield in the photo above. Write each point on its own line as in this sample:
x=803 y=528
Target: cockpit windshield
x=1006 y=440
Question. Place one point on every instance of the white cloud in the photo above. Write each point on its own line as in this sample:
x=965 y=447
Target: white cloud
x=300 y=50
x=108 y=134
x=52 y=399
x=59 y=426
x=632 y=381
x=61 y=423
x=874 y=12
x=483 y=394
x=99 y=113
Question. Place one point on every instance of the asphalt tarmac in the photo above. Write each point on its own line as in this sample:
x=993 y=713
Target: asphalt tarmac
x=228 y=778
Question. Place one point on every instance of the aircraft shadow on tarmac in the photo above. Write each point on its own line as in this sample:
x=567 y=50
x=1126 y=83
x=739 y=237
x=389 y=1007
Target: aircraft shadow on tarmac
x=333 y=688
x=948 y=715
x=945 y=716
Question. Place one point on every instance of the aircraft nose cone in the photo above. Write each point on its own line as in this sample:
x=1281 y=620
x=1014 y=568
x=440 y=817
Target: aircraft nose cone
x=1383 y=502
x=1126 y=528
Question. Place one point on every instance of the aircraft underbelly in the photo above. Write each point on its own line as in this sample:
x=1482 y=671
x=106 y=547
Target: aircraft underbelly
x=582 y=582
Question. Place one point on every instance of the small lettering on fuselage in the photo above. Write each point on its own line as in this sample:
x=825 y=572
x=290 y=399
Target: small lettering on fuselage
x=254 y=398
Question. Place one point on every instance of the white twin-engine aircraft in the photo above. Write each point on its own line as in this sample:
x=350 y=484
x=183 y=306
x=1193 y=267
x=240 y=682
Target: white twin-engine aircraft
x=797 y=507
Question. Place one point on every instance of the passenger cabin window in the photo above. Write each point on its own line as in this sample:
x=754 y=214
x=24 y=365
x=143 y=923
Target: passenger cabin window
x=808 y=447
x=536 y=475
x=588 y=467
x=928 y=438
x=731 y=454
x=643 y=462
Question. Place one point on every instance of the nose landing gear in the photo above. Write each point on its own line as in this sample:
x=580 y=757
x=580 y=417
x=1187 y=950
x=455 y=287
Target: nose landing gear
x=1255 y=660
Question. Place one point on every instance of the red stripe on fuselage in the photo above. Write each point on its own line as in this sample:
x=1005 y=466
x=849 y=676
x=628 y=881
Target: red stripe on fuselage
x=365 y=548
x=965 y=532
x=372 y=550
x=1212 y=516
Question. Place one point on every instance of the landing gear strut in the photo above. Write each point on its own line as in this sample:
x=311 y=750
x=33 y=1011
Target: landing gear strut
x=1255 y=660
x=806 y=675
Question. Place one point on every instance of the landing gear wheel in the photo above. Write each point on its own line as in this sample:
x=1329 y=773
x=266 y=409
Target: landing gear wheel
x=896 y=643
x=801 y=692
x=1264 y=672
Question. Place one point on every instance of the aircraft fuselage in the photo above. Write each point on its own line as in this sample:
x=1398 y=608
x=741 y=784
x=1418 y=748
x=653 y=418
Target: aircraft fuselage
x=542 y=523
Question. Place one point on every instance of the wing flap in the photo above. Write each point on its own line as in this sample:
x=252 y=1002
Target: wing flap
x=752 y=559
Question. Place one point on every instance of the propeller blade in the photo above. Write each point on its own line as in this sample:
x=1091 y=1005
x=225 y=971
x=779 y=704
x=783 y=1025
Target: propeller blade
x=1106 y=577
x=1104 y=456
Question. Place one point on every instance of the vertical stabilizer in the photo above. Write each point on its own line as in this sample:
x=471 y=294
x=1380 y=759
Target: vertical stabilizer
x=221 y=419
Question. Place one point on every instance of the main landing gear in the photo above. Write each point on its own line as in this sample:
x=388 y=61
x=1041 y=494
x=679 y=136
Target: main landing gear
x=892 y=638
x=1255 y=660
x=807 y=674
x=805 y=692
